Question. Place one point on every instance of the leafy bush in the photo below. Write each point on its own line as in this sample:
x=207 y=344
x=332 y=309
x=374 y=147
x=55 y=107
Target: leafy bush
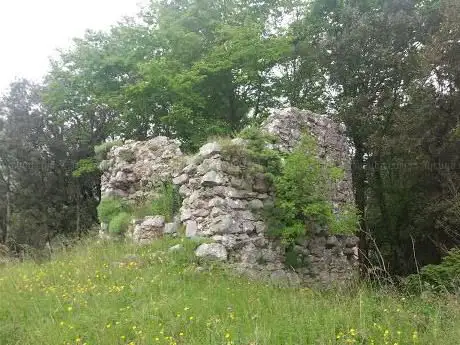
x=256 y=154
x=142 y=210
x=109 y=207
x=117 y=212
x=85 y=166
x=168 y=202
x=345 y=221
x=302 y=191
x=442 y=277
x=120 y=223
x=103 y=149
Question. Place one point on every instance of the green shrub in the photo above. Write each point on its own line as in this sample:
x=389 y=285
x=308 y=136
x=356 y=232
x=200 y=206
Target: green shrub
x=256 y=155
x=85 y=166
x=260 y=152
x=117 y=212
x=120 y=223
x=291 y=259
x=168 y=202
x=345 y=221
x=109 y=207
x=303 y=189
x=142 y=210
x=103 y=149
x=441 y=278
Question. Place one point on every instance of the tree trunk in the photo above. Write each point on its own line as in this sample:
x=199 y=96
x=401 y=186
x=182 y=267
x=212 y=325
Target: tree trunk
x=7 y=232
x=379 y=188
x=259 y=94
x=77 y=227
x=359 y=185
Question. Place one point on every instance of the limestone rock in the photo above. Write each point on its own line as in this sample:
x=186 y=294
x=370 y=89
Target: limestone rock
x=212 y=251
x=210 y=149
x=350 y=251
x=148 y=229
x=256 y=204
x=223 y=224
x=285 y=278
x=216 y=202
x=237 y=204
x=248 y=227
x=228 y=241
x=260 y=183
x=332 y=242
x=181 y=179
x=212 y=178
x=249 y=254
x=191 y=228
x=351 y=241
x=172 y=228
x=138 y=166
x=176 y=248
x=185 y=214
x=154 y=222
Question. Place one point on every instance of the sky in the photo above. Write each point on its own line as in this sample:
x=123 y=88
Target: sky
x=32 y=30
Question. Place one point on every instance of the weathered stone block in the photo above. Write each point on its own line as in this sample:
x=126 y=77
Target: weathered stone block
x=212 y=178
x=181 y=179
x=212 y=251
x=210 y=149
x=185 y=214
x=332 y=242
x=191 y=228
x=223 y=225
x=255 y=204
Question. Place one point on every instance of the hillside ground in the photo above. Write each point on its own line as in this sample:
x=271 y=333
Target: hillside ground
x=109 y=294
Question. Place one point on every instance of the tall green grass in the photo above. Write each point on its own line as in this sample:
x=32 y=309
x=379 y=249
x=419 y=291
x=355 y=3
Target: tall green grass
x=108 y=294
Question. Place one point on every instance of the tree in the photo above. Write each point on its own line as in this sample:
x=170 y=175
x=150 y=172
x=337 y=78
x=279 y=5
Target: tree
x=368 y=67
x=36 y=164
x=188 y=69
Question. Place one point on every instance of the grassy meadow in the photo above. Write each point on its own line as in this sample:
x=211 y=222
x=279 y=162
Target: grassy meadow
x=110 y=294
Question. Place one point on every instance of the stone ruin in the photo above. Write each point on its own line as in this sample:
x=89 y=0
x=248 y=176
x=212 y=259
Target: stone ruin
x=223 y=203
x=134 y=169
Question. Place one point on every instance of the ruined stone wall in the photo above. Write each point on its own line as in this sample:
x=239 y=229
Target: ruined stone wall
x=223 y=202
x=134 y=169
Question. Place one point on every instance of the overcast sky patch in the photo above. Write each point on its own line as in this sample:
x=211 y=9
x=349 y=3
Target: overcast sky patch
x=32 y=30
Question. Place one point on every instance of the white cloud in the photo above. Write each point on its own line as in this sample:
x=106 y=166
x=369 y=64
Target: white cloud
x=32 y=30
